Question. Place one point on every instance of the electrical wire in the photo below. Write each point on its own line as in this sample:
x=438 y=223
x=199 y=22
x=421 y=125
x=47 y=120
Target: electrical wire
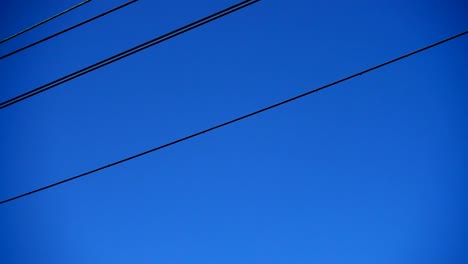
x=128 y=52
x=44 y=21
x=235 y=120
x=68 y=29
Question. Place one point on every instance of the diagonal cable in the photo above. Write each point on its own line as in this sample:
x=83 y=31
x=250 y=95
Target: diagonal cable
x=44 y=21
x=234 y=120
x=127 y=53
x=67 y=29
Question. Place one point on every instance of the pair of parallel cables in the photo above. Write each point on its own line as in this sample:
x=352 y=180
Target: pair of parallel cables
x=171 y=35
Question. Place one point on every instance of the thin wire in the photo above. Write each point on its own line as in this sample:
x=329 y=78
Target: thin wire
x=236 y=119
x=68 y=29
x=45 y=21
x=127 y=53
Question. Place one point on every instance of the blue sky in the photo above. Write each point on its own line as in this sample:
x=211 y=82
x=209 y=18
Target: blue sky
x=369 y=171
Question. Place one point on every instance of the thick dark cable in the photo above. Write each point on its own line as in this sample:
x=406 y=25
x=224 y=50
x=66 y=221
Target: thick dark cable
x=235 y=120
x=127 y=53
x=68 y=29
x=45 y=21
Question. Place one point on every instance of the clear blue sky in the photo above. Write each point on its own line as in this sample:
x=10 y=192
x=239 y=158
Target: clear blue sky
x=370 y=171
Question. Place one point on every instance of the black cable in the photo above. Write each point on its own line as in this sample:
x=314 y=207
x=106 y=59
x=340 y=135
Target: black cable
x=45 y=21
x=127 y=53
x=68 y=29
x=234 y=120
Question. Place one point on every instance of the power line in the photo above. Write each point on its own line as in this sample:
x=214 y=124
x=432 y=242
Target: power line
x=45 y=21
x=127 y=53
x=235 y=120
x=68 y=29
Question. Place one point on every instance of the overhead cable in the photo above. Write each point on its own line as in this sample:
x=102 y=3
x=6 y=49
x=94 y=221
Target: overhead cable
x=234 y=120
x=67 y=29
x=44 y=21
x=127 y=53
